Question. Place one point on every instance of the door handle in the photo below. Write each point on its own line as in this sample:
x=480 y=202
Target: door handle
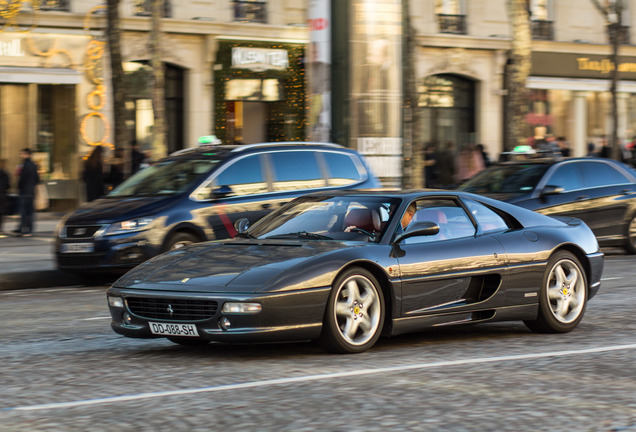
x=266 y=206
x=582 y=197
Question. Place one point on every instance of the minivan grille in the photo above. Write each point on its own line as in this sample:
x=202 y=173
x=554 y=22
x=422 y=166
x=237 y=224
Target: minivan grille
x=81 y=231
x=172 y=309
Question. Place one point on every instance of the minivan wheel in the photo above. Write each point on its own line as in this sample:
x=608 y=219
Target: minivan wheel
x=630 y=244
x=179 y=240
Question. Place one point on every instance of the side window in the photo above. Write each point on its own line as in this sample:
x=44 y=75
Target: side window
x=567 y=177
x=342 y=169
x=296 y=170
x=596 y=174
x=244 y=177
x=452 y=220
x=488 y=220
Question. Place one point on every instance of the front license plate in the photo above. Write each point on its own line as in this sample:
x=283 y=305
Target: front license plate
x=173 y=329
x=77 y=247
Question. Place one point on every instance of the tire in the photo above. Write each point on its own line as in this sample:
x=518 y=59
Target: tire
x=563 y=295
x=354 y=315
x=630 y=243
x=179 y=240
x=189 y=341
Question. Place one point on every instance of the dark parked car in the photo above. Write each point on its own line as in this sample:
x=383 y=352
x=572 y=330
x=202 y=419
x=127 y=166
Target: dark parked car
x=601 y=192
x=340 y=269
x=197 y=194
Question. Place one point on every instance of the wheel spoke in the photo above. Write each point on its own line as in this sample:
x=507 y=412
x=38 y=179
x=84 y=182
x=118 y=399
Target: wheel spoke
x=554 y=293
x=352 y=290
x=351 y=328
x=365 y=324
x=368 y=299
x=562 y=308
x=343 y=309
x=560 y=275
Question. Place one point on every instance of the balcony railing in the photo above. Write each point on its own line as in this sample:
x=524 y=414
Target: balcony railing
x=55 y=5
x=542 y=30
x=452 y=23
x=624 y=38
x=250 y=11
x=144 y=8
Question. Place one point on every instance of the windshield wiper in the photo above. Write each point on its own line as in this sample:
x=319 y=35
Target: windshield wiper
x=313 y=236
x=303 y=235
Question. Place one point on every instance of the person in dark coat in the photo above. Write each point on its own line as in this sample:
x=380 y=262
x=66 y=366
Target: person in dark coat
x=28 y=178
x=5 y=182
x=93 y=175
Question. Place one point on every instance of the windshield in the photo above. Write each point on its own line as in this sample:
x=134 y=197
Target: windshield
x=167 y=177
x=361 y=218
x=511 y=179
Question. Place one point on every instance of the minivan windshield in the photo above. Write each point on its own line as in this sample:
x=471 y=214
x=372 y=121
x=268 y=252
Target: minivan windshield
x=168 y=177
x=512 y=179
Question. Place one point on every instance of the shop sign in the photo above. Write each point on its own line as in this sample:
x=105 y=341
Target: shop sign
x=259 y=59
x=11 y=48
x=581 y=65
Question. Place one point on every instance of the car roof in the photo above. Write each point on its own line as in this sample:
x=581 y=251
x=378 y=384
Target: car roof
x=223 y=150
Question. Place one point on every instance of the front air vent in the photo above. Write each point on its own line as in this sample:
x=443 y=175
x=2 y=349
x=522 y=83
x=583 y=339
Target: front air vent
x=172 y=309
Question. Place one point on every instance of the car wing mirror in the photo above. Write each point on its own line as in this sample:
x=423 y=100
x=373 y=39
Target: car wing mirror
x=418 y=229
x=551 y=190
x=221 y=192
x=241 y=225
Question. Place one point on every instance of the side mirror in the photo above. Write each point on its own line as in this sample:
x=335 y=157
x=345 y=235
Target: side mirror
x=551 y=190
x=419 y=229
x=241 y=225
x=221 y=192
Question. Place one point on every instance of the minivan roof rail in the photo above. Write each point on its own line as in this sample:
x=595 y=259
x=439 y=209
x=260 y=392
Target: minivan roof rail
x=284 y=143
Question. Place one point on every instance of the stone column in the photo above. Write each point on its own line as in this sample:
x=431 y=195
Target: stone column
x=622 y=116
x=579 y=128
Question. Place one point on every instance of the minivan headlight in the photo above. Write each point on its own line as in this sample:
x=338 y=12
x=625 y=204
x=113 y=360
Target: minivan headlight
x=128 y=226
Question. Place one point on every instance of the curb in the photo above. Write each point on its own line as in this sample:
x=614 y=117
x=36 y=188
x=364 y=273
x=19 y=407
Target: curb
x=38 y=279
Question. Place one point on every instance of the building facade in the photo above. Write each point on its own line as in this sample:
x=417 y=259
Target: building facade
x=236 y=69
x=461 y=55
x=233 y=68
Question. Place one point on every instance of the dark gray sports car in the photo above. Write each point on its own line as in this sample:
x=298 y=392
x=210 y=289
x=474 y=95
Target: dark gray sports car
x=345 y=268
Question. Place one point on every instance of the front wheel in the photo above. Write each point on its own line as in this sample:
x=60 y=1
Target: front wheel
x=179 y=240
x=563 y=295
x=354 y=315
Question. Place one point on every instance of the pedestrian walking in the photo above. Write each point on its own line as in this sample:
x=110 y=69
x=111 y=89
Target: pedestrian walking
x=469 y=163
x=28 y=178
x=93 y=175
x=5 y=182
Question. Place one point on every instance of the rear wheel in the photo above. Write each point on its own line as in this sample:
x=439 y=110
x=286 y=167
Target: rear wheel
x=355 y=313
x=563 y=295
x=630 y=244
x=179 y=240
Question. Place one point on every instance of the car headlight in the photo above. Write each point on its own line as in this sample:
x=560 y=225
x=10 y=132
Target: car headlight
x=241 y=308
x=116 y=301
x=128 y=226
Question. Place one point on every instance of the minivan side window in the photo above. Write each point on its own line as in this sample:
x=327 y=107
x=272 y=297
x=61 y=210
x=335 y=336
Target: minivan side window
x=342 y=169
x=244 y=176
x=296 y=170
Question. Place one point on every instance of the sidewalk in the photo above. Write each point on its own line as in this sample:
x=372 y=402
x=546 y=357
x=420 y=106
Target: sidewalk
x=29 y=262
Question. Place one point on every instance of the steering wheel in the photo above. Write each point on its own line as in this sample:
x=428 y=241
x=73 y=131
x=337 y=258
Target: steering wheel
x=363 y=231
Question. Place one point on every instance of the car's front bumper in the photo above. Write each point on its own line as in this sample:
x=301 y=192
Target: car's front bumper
x=120 y=252
x=295 y=315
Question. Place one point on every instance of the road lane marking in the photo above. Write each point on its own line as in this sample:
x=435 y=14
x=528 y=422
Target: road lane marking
x=95 y=318
x=306 y=378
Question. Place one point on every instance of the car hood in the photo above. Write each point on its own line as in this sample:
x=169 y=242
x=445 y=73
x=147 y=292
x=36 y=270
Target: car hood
x=107 y=210
x=228 y=266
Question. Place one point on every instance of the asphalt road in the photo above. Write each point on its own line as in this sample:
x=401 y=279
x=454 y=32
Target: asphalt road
x=63 y=369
